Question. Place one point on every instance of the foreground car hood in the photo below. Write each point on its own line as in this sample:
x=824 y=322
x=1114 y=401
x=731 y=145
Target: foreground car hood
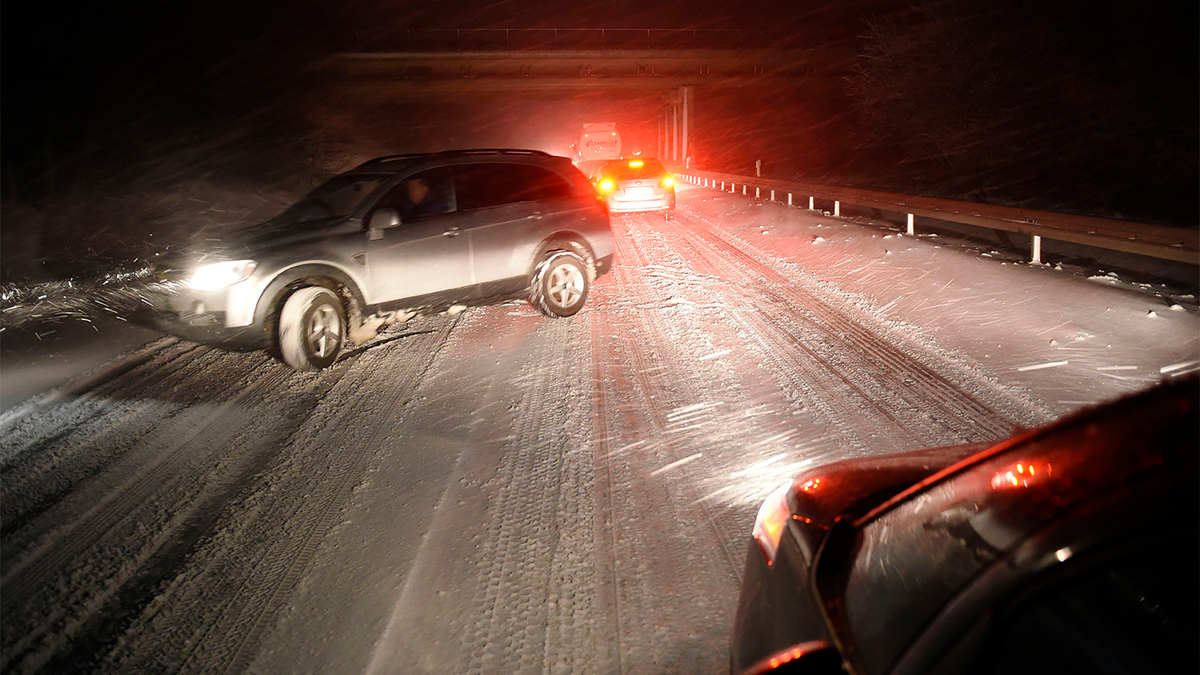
x=855 y=486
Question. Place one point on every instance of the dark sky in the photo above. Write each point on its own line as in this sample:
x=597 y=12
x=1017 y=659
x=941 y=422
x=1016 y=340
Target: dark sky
x=73 y=75
x=102 y=80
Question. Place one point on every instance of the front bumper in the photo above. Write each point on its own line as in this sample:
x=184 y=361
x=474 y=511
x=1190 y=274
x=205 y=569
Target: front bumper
x=777 y=609
x=202 y=316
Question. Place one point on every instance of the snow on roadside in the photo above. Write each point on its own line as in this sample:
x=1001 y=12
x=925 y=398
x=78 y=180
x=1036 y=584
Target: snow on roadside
x=1011 y=317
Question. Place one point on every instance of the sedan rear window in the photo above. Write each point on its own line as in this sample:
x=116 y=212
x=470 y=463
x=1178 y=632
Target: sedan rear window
x=634 y=169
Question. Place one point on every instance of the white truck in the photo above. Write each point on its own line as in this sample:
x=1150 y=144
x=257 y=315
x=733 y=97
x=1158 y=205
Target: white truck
x=598 y=141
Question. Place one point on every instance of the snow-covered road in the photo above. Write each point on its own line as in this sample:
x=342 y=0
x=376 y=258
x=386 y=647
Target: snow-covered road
x=495 y=492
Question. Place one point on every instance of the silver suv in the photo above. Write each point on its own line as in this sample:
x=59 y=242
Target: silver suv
x=396 y=236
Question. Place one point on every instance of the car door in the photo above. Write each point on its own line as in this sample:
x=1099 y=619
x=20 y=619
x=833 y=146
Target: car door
x=504 y=235
x=426 y=259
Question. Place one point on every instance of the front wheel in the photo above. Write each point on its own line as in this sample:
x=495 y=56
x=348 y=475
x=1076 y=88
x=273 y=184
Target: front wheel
x=560 y=285
x=312 y=329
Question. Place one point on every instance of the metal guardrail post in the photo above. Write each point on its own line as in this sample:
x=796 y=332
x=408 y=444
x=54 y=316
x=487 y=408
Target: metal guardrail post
x=1037 y=249
x=810 y=204
x=789 y=199
x=772 y=195
x=911 y=231
x=837 y=208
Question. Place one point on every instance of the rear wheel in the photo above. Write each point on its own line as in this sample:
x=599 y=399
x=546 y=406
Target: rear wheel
x=560 y=284
x=312 y=329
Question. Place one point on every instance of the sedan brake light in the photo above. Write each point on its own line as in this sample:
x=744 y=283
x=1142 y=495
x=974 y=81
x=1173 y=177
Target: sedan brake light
x=606 y=185
x=667 y=182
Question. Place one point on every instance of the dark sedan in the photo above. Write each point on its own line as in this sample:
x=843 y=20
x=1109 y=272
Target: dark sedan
x=1070 y=548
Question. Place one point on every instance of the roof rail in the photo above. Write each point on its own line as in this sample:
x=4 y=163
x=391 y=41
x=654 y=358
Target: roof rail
x=468 y=152
x=492 y=151
x=389 y=158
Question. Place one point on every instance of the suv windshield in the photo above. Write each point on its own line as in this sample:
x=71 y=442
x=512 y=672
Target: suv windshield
x=336 y=198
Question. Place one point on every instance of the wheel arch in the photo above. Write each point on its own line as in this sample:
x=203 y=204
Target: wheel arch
x=565 y=240
x=289 y=280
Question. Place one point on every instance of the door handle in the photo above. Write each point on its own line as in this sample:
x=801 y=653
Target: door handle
x=452 y=232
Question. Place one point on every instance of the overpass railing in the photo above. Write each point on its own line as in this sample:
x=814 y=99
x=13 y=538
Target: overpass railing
x=551 y=39
x=1158 y=241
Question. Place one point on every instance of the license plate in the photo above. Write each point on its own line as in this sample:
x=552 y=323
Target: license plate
x=639 y=191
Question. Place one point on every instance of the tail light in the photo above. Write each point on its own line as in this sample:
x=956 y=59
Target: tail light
x=667 y=182
x=605 y=186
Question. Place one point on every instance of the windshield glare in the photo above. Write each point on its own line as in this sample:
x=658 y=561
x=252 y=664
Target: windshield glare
x=336 y=198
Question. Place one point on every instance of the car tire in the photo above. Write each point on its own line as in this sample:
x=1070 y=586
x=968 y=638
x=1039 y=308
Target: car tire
x=560 y=284
x=312 y=329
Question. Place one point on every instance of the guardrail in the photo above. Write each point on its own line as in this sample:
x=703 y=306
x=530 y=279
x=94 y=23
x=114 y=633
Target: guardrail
x=1157 y=241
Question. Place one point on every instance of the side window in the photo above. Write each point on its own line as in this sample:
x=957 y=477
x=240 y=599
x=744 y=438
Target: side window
x=422 y=195
x=480 y=186
x=547 y=184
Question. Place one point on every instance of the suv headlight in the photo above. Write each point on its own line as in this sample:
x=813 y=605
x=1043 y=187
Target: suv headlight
x=216 y=276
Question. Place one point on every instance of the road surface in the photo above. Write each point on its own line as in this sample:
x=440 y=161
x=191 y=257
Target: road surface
x=497 y=492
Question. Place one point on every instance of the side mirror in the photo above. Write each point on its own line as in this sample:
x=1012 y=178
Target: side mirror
x=381 y=220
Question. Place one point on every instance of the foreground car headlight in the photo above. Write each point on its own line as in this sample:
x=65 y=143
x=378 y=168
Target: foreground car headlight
x=773 y=516
x=215 y=276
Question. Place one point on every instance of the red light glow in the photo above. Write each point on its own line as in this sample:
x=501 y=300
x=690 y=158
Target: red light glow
x=606 y=185
x=1022 y=475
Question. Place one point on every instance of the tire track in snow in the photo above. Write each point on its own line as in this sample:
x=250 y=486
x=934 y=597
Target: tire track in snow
x=77 y=405
x=66 y=580
x=898 y=383
x=89 y=434
x=507 y=565
x=143 y=514
x=670 y=419
x=267 y=539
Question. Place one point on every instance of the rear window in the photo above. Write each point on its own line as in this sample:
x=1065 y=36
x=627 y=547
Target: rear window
x=633 y=169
